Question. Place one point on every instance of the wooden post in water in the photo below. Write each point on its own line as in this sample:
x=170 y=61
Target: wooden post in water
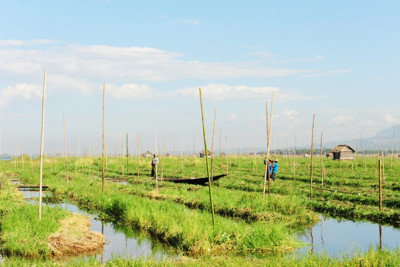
x=311 y=156
x=380 y=184
x=65 y=148
x=380 y=236
x=102 y=135
x=205 y=148
x=41 y=149
x=212 y=149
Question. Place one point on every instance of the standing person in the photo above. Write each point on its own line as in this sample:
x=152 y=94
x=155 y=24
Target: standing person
x=154 y=163
x=270 y=163
x=273 y=169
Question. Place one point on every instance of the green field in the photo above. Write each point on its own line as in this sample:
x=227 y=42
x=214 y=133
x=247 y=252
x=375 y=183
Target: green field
x=249 y=230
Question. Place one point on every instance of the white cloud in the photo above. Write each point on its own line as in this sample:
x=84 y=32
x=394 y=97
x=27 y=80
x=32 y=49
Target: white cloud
x=24 y=91
x=291 y=114
x=224 y=91
x=231 y=117
x=131 y=91
x=391 y=120
x=122 y=65
x=20 y=43
x=341 y=119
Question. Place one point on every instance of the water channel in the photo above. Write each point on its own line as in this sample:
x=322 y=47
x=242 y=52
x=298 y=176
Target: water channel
x=120 y=240
x=334 y=237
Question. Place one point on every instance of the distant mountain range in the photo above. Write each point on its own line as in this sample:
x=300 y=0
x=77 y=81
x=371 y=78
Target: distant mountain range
x=383 y=140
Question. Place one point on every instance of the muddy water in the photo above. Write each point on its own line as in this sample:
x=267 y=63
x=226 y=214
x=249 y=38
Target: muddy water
x=338 y=237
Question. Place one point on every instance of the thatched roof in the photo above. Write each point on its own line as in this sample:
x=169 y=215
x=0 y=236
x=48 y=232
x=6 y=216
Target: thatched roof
x=340 y=148
x=204 y=152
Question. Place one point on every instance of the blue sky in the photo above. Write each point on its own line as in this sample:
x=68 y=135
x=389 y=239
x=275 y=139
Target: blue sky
x=337 y=59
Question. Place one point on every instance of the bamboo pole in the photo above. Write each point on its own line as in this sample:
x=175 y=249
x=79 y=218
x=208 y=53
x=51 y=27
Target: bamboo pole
x=212 y=149
x=65 y=148
x=391 y=159
x=139 y=152
x=127 y=154
x=380 y=184
x=205 y=148
x=226 y=155
x=155 y=153
x=102 y=136
x=77 y=155
x=311 y=156
x=322 y=162
x=41 y=149
x=22 y=156
x=294 y=156
x=163 y=157
x=269 y=125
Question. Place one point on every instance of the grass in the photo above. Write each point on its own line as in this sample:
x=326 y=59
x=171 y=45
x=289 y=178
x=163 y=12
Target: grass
x=178 y=215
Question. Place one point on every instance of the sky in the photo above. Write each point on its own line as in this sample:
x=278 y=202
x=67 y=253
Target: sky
x=338 y=60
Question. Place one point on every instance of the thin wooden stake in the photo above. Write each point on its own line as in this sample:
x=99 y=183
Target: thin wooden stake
x=65 y=148
x=311 y=156
x=322 y=162
x=155 y=153
x=41 y=149
x=163 y=157
x=380 y=184
x=269 y=125
x=127 y=154
x=212 y=149
x=102 y=156
x=205 y=148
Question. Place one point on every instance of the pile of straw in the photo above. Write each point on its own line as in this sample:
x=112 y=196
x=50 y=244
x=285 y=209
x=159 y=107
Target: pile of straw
x=74 y=237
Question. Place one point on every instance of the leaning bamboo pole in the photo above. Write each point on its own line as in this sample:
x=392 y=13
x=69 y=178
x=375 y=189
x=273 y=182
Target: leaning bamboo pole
x=205 y=148
x=102 y=136
x=41 y=149
x=65 y=149
x=311 y=156
x=212 y=148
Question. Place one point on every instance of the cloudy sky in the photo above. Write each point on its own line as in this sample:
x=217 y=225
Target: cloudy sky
x=336 y=59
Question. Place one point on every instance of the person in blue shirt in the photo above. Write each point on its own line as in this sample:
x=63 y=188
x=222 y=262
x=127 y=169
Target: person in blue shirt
x=273 y=169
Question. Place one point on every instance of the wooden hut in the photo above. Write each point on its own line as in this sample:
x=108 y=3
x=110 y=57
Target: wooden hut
x=203 y=153
x=343 y=152
x=148 y=154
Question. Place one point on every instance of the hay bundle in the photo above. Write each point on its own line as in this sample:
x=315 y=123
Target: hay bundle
x=74 y=237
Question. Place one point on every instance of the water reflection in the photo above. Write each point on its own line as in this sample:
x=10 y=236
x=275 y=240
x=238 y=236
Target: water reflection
x=344 y=236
